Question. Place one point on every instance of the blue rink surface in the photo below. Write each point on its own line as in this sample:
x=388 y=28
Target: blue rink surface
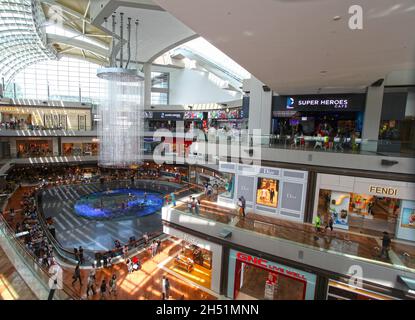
x=118 y=204
x=75 y=228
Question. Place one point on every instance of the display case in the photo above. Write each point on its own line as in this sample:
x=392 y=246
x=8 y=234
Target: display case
x=184 y=262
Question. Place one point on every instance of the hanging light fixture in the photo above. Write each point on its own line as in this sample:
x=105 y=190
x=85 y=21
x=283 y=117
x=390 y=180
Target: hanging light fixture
x=121 y=113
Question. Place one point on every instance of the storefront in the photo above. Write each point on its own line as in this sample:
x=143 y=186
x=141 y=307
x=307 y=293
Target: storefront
x=80 y=149
x=162 y=120
x=39 y=117
x=270 y=191
x=196 y=259
x=368 y=206
x=34 y=147
x=233 y=118
x=195 y=120
x=251 y=277
x=318 y=114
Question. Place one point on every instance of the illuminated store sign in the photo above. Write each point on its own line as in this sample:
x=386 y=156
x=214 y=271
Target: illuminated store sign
x=337 y=104
x=164 y=115
x=333 y=102
x=263 y=263
x=387 y=191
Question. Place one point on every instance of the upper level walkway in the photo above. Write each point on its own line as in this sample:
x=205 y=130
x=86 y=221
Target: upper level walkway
x=402 y=254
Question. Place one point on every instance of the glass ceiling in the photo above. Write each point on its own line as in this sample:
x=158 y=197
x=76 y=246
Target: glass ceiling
x=22 y=38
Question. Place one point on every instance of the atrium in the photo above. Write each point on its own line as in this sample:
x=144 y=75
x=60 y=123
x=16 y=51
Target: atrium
x=207 y=151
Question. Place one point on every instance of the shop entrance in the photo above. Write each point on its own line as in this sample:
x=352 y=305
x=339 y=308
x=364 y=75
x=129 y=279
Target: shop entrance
x=361 y=213
x=255 y=283
x=194 y=263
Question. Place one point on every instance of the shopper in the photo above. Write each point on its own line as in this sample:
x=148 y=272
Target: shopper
x=113 y=285
x=196 y=206
x=271 y=195
x=103 y=289
x=91 y=284
x=77 y=275
x=329 y=223
x=165 y=288
x=153 y=249
x=125 y=252
x=386 y=243
x=243 y=202
x=190 y=205
x=81 y=255
x=317 y=225
x=145 y=239
x=129 y=265
x=158 y=248
x=173 y=199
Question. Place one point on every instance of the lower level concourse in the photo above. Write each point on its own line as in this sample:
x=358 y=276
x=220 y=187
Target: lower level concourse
x=215 y=232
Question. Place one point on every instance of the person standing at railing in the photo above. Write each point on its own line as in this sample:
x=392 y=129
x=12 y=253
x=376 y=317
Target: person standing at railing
x=77 y=275
x=173 y=199
x=189 y=205
x=197 y=206
x=81 y=255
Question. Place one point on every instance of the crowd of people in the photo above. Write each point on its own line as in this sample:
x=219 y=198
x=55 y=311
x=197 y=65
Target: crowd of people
x=29 y=228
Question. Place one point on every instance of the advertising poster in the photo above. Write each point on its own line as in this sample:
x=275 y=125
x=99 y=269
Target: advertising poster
x=267 y=192
x=408 y=218
x=339 y=209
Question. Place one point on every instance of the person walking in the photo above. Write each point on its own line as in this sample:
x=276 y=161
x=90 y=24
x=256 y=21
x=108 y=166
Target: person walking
x=77 y=275
x=329 y=223
x=153 y=249
x=113 y=285
x=165 y=288
x=125 y=252
x=271 y=195
x=91 y=284
x=317 y=226
x=81 y=255
x=386 y=243
x=129 y=265
x=243 y=203
x=173 y=199
x=189 y=205
x=158 y=248
x=197 y=206
x=76 y=254
x=103 y=289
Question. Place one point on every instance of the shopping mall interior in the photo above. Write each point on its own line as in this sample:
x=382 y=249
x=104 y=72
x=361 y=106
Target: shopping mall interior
x=213 y=150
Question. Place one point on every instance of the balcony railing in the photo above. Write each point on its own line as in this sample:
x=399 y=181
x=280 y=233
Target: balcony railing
x=353 y=246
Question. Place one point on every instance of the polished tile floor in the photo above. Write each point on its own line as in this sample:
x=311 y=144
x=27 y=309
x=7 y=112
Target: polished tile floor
x=361 y=245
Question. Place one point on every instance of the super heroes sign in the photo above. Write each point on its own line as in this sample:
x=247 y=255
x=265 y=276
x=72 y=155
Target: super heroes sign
x=292 y=103
x=265 y=264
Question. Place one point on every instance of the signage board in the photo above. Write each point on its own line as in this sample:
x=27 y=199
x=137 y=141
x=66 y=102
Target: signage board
x=333 y=102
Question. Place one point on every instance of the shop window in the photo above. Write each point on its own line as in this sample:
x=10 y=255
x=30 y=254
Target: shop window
x=193 y=263
x=397 y=126
x=363 y=213
x=254 y=278
x=267 y=192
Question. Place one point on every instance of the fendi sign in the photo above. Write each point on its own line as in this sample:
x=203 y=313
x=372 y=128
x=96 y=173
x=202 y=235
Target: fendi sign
x=387 y=191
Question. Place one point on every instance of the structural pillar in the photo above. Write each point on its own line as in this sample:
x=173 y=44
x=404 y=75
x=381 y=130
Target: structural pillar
x=147 y=85
x=260 y=106
x=372 y=117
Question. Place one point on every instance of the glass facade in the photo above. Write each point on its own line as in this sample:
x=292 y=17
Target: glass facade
x=68 y=79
